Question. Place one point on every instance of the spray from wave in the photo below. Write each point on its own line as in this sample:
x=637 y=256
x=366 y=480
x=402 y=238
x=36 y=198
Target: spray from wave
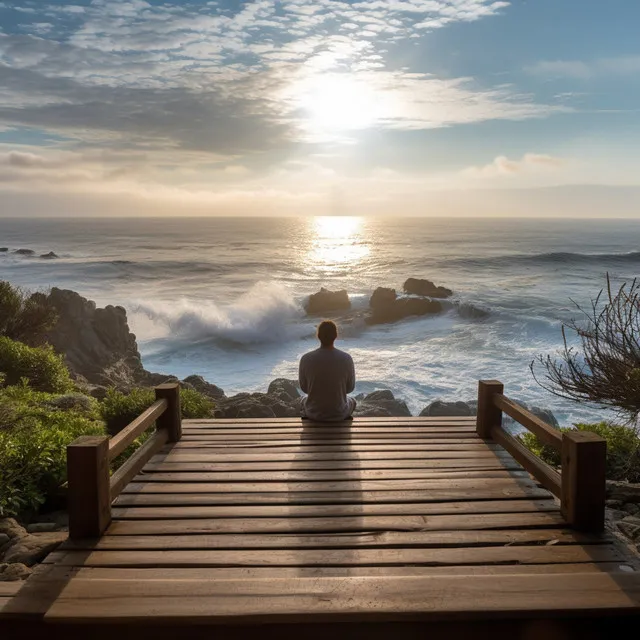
x=266 y=313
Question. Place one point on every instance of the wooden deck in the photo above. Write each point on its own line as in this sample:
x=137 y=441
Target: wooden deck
x=408 y=521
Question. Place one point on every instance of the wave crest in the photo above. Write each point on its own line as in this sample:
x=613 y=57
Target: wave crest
x=263 y=314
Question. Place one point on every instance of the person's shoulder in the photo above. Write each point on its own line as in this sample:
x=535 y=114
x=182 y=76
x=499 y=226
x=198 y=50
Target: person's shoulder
x=309 y=355
x=343 y=354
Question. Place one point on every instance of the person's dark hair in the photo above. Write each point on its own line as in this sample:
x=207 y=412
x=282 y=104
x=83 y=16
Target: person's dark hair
x=327 y=333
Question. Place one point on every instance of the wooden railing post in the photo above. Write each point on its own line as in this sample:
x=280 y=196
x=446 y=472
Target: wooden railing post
x=171 y=419
x=489 y=415
x=89 y=497
x=584 y=457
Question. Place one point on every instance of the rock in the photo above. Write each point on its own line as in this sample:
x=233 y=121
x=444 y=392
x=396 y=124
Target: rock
x=632 y=509
x=25 y=252
x=245 y=405
x=205 y=388
x=326 y=301
x=544 y=414
x=4 y=249
x=630 y=527
x=96 y=343
x=72 y=401
x=387 y=307
x=4 y=538
x=419 y=287
x=49 y=256
x=623 y=491
x=42 y=527
x=441 y=408
x=11 y=528
x=13 y=572
x=33 y=548
x=284 y=387
x=381 y=404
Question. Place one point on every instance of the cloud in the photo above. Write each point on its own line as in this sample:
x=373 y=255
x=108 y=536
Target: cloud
x=581 y=70
x=189 y=90
x=503 y=166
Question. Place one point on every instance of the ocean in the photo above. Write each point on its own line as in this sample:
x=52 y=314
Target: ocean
x=224 y=297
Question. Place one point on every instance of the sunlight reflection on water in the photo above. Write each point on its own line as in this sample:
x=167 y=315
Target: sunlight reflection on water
x=336 y=242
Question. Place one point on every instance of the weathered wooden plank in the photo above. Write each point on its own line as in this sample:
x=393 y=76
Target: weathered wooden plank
x=298 y=435
x=261 y=506
x=170 y=455
x=348 y=482
x=119 y=442
x=343 y=599
x=358 y=420
x=9 y=589
x=387 y=539
x=187 y=520
x=159 y=463
x=310 y=446
x=555 y=554
x=296 y=475
x=270 y=573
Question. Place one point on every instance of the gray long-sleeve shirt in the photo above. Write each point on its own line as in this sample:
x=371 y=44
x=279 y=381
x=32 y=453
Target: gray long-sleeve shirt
x=327 y=375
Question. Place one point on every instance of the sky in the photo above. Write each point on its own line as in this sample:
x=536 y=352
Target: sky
x=320 y=107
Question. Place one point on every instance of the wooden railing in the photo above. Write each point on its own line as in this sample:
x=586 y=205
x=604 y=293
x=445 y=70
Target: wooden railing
x=91 y=488
x=580 y=486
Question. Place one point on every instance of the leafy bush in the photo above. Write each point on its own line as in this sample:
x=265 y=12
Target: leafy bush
x=40 y=366
x=23 y=316
x=623 y=449
x=119 y=409
x=34 y=434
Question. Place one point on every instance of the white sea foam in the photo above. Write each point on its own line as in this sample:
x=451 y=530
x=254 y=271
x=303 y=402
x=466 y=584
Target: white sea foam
x=263 y=314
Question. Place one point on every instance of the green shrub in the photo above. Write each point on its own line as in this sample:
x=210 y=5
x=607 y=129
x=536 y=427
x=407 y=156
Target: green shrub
x=34 y=434
x=623 y=449
x=23 y=316
x=40 y=366
x=119 y=409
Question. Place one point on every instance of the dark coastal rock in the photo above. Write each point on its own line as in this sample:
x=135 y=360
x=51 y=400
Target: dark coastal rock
x=441 y=408
x=25 y=252
x=96 y=342
x=419 y=287
x=380 y=404
x=4 y=249
x=623 y=492
x=326 y=301
x=243 y=405
x=284 y=388
x=10 y=528
x=14 y=572
x=33 y=547
x=199 y=384
x=387 y=307
x=49 y=256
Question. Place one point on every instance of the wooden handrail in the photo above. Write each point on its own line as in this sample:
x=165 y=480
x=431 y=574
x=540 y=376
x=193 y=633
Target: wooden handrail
x=548 y=477
x=121 y=478
x=122 y=440
x=90 y=489
x=540 y=428
x=582 y=482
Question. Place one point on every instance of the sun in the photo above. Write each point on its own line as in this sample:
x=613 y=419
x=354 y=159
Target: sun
x=335 y=102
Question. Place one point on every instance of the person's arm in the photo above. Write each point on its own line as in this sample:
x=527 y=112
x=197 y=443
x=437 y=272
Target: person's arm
x=351 y=376
x=302 y=376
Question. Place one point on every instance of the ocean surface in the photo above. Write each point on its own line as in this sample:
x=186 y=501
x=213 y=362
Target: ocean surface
x=224 y=297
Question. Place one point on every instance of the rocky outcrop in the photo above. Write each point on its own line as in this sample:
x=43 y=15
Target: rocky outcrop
x=49 y=256
x=199 y=384
x=387 y=307
x=4 y=249
x=440 y=408
x=471 y=312
x=326 y=301
x=284 y=388
x=24 y=252
x=380 y=404
x=96 y=342
x=14 y=572
x=419 y=287
x=33 y=548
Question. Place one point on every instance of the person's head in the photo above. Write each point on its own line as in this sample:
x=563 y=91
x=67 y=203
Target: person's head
x=327 y=333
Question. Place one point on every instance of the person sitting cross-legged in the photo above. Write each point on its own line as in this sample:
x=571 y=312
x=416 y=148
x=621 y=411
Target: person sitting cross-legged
x=327 y=375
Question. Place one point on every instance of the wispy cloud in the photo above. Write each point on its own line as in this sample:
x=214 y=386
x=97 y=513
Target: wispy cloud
x=504 y=166
x=584 y=70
